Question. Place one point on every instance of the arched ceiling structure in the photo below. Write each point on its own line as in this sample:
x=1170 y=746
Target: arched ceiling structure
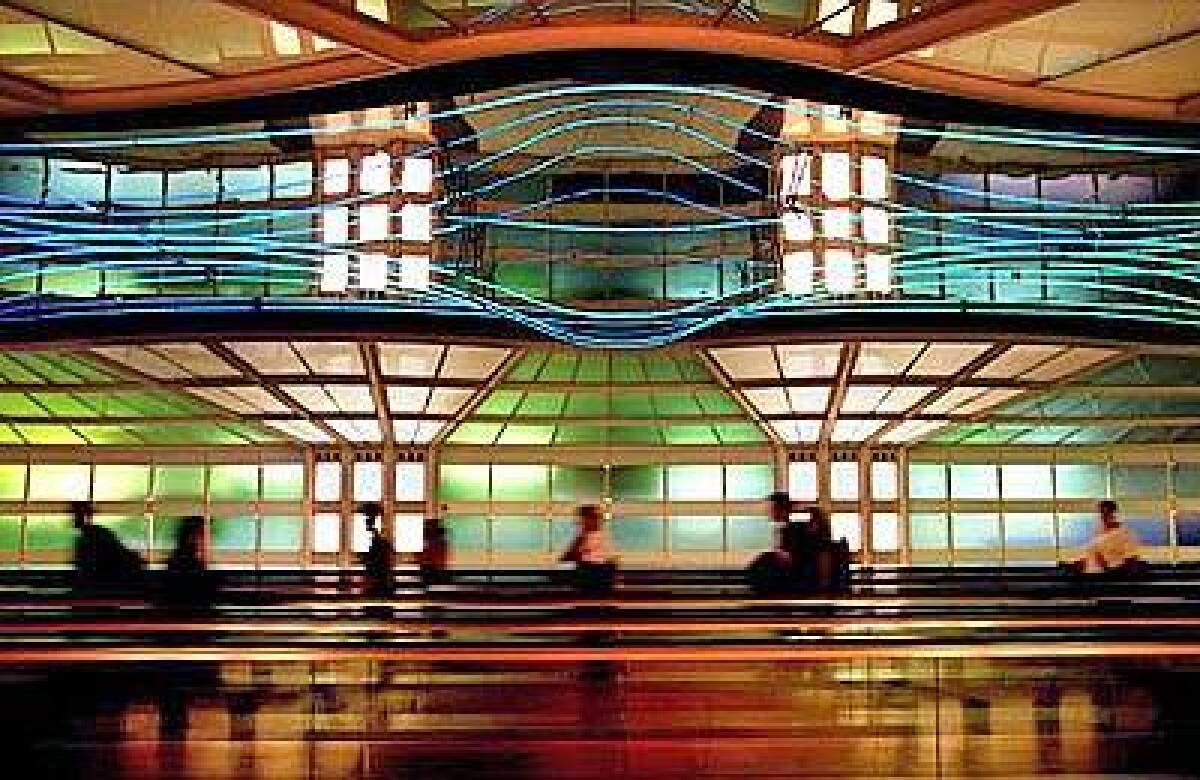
x=1105 y=57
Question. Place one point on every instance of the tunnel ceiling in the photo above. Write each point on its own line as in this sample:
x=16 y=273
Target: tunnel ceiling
x=798 y=394
x=1092 y=56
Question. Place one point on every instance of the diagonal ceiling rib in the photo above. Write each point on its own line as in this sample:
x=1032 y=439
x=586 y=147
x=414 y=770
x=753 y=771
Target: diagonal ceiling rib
x=941 y=23
x=338 y=23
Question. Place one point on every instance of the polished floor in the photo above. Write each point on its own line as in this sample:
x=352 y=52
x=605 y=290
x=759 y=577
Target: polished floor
x=915 y=717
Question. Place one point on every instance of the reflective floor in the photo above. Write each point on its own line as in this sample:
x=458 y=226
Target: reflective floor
x=550 y=719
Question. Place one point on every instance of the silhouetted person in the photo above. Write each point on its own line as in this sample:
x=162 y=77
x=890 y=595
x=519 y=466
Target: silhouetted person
x=595 y=568
x=827 y=565
x=773 y=571
x=102 y=562
x=379 y=561
x=187 y=582
x=1116 y=549
x=435 y=552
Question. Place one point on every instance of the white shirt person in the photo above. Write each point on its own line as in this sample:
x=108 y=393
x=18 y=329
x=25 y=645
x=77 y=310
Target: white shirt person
x=1115 y=546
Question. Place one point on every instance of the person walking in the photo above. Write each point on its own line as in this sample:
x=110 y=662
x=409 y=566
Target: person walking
x=595 y=567
x=379 y=561
x=188 y=583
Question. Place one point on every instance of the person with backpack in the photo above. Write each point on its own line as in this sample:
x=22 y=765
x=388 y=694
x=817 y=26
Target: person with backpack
x=102 y=561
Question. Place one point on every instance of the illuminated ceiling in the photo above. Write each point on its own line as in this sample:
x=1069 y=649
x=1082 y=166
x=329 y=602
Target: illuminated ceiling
x=843 y=394
x=1101 y=56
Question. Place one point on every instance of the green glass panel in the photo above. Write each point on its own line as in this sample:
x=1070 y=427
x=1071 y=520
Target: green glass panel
x=528 y=368
x=926 y=480
x=661 y=368
x=560 y=367
x=520 y=483
x=527 y=435
x=717 y=402
x=1082 y=480
x=1187 y=480
x=675 y=404
x=47 y=434
x=45 y=533
x=283 y=481
x=696 y=533
x=463 y=482
x=476 y=433
x=637 y=483
x=233 y=482
x=635 y=434
x=59 y=482
x=749 y=482
x=739 y=433
x=929 y=531
x=166 y=532
x=750 y=533
x=121 y=482
x=593 y=367
x=19 y=404
x=106 y=434
x=577 y=483
x=467 y=533
x=132 y=530
x=694 y=483
x=8 y=435
x=637 y=534
x=689 y=434
x=519 y=534
x=635 y=405
x=562 y=533
x=12 y=481
x=500 y=402
x=282 y=533
x=586 y=405
x=234 y=533
x=542 y=404
x=1139 y=481
x=581 y=434
x=692 y=370
x=10 y=534
x=178 y=481
x=627 y=368
x=14 y=371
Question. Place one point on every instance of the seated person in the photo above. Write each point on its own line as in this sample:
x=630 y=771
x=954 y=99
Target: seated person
x=1114 y=551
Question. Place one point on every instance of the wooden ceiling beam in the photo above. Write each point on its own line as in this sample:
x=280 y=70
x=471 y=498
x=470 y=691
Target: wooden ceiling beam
x=942 y=23
x=39 y=98
x=339 y=22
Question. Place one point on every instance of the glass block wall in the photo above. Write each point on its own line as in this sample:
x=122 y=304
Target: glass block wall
x=1017 y=507
x=661 y=513
x=255 y=511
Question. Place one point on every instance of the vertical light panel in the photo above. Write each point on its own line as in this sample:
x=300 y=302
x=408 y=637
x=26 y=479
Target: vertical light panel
x=335 y=273
x=375 y=174
x=802 y=480
x=368 y=481
x=414 y=272
x=798 y=272
x=416 y=178
x=327 y=533
x=410 y=481
x=328 y=481
x=416 y=222
x=839 y=271
x=373 y=222
x=336 y=177
x=335 y=225
x=373 y=272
